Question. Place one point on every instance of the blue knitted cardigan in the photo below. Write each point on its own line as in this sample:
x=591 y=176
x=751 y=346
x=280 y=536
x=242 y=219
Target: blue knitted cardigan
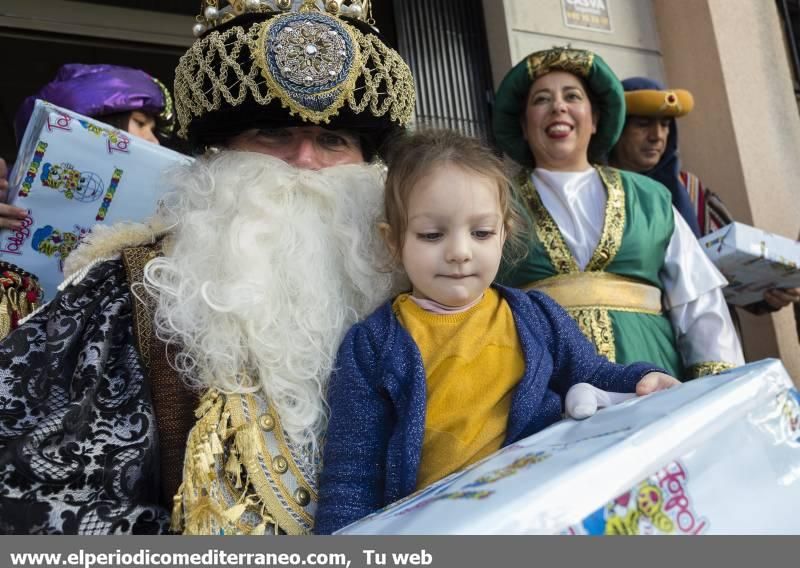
x=377 y=399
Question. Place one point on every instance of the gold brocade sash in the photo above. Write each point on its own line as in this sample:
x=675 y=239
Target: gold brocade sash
x=588 y=297
x=600 y=290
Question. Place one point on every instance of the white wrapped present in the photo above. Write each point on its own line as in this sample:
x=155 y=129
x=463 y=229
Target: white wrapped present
x=717 y=455
x=71 y=173
x=753 y=261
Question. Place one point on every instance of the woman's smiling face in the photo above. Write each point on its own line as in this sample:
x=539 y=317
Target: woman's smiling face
x=559 y=122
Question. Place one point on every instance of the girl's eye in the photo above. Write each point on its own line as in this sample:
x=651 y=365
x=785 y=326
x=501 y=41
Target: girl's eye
x=482 y=235
x=429 y=236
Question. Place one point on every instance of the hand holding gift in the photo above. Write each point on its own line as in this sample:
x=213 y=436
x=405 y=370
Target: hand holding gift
x=584 y=400
x=10 y=217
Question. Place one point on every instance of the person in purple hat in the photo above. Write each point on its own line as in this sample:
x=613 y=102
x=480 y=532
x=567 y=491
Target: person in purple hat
x=126 y=98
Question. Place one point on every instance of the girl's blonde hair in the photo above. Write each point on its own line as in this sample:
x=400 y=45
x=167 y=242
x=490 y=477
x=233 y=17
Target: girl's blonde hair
x=414 y=156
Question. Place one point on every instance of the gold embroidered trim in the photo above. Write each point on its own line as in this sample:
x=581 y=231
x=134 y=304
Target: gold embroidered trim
x=601 y=290
x=235 y=481
x=614 y=223
x=576 y=61
x=134 y=259
x=546 y=229
x=266 y=480
x=209 y=75
x=594 y=321
x=596 y=325
x=708 y=368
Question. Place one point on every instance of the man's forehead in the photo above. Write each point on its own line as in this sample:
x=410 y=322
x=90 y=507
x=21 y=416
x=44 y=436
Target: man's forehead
x=641 y=118
x=317 y=129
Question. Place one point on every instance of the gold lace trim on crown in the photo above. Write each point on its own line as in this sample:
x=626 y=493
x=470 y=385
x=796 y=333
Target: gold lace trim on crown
x=241 y=476
x=209 y=75
x=576 y=61
x=594 y=322
x=708 y=368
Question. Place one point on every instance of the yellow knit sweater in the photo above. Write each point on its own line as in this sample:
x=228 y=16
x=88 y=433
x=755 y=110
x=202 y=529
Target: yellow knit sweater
x=473 y=361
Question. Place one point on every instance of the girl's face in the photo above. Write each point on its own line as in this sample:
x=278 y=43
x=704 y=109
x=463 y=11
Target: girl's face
x=143 y=126
x=454 y=239
x=558 y=122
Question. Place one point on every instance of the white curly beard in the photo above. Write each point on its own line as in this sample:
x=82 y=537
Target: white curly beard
x=269 y=267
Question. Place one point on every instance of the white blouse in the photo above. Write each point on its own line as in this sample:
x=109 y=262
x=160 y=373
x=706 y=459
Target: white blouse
x=692 y=284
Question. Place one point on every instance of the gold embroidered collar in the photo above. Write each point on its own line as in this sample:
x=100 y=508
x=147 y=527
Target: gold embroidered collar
x=550 y=235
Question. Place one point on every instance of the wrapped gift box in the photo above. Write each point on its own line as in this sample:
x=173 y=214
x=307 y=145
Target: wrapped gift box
x=753 y=261
x=717 y=455
x=73 y=172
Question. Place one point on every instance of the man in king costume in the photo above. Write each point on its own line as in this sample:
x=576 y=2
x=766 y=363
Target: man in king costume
x=177 y=378
x=607 y=244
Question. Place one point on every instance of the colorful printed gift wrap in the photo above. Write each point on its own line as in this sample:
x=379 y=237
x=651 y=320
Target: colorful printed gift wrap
x=753 y=261
x=717 y=455
x=73 y=172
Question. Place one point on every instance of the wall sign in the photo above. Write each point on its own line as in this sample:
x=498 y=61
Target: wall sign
x=587 y=14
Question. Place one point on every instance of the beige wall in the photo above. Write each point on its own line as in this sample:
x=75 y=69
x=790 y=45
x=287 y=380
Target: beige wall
x=516 y=28
x=743 y=139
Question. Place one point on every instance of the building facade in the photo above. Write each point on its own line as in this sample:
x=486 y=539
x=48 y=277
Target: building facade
x=742 y=139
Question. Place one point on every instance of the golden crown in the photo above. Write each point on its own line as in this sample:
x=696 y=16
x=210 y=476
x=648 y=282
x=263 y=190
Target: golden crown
x=217 y=12
x=313 y=63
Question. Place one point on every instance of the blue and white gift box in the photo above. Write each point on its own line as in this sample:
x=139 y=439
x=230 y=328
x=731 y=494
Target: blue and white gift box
x=71 y=173
x=717 y=455
x=753 y=261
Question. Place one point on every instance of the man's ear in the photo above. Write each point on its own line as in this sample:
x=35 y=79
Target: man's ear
x=385 y=231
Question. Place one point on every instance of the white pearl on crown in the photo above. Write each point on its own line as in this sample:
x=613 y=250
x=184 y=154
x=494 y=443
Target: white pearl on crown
x=198 y=29
x=211 y=13
x=252 y=4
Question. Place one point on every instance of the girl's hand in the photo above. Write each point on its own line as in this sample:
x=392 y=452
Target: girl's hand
x=653 y=382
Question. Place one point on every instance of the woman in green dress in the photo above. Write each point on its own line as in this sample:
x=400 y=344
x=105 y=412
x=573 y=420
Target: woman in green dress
x=607 y=244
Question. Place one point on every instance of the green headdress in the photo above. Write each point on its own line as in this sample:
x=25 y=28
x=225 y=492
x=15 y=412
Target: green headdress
x=605 y=87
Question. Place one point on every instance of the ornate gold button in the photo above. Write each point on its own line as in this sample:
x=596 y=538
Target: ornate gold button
x=266 y=422
x=302 y=496
x=280 y=464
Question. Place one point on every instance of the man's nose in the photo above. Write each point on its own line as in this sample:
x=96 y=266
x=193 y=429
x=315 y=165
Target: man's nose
x=658 y=132
x=305 y=155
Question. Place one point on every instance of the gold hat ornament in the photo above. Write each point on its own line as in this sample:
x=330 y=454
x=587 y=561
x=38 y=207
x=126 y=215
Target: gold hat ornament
x=320 y=62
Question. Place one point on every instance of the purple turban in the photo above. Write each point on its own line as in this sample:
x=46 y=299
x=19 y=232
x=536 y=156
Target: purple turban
x=98 y=90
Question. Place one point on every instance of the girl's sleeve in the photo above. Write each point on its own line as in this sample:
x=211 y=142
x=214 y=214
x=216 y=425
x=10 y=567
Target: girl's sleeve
x=575 y=359
x=354 y=456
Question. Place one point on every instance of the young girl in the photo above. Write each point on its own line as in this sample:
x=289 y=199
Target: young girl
x=458 y=368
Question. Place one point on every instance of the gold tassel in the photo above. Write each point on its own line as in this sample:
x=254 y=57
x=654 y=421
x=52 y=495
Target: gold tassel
x=5 y=313
x=216 y=446
x=234 y=513
x=259 y=530
x=176 y=523
x=234 y=469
